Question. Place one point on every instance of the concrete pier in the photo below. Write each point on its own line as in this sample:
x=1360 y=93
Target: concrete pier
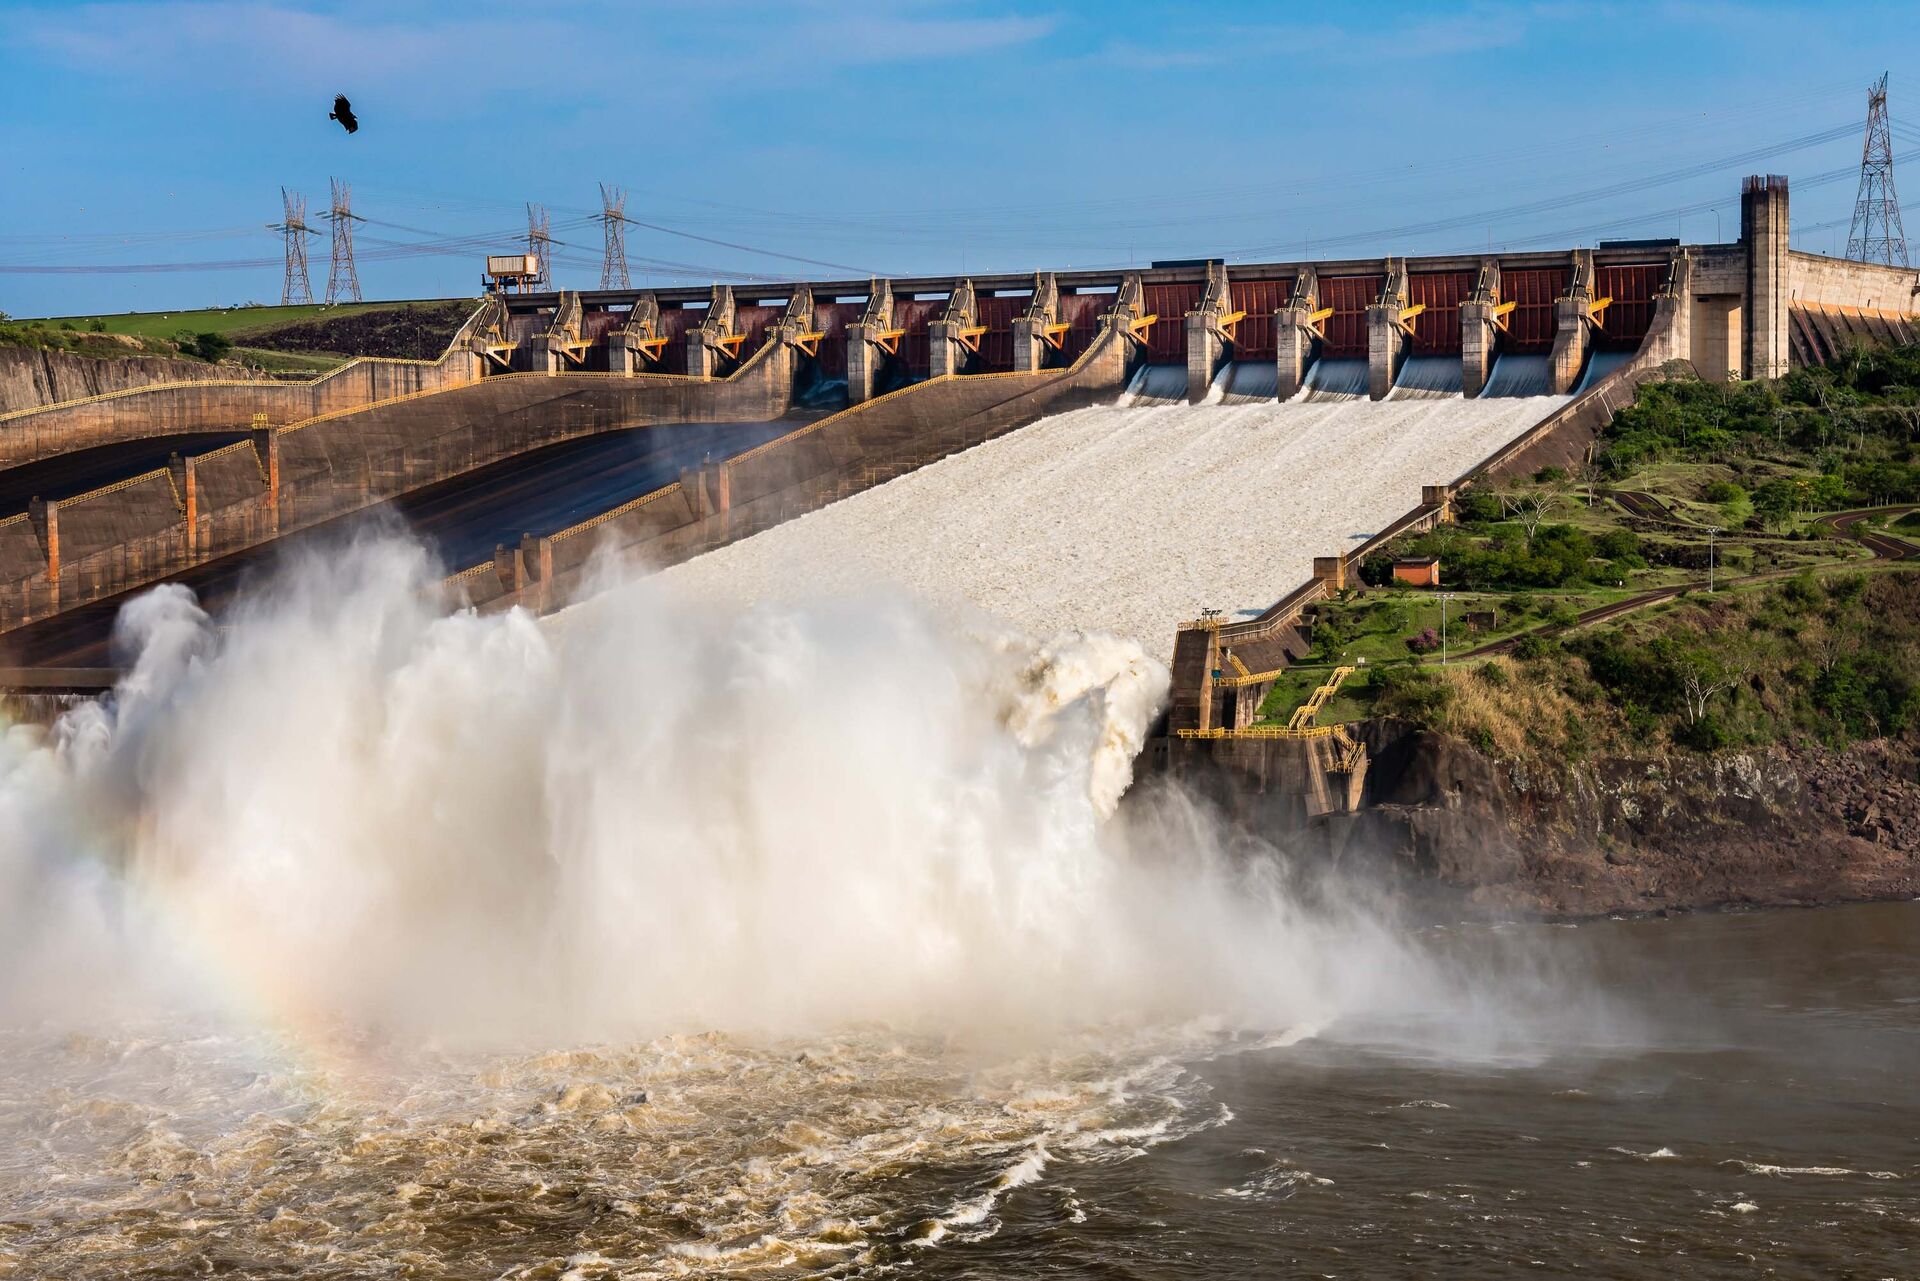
x=1206 y=338
x=1480 y=329
x=948 y=337
x=1295 y=334
x=865 y=339
x=1572 y=326
x=1387 y=338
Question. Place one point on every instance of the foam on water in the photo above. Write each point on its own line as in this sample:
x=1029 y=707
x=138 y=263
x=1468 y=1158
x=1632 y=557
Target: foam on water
x=1125 y=520
x=352 y=929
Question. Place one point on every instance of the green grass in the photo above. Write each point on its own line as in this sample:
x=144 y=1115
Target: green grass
x=233 y=322
x=287 y=362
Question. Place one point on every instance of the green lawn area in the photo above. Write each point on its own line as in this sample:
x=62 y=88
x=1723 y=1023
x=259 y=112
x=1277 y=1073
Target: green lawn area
x=287 y=362
x=228 y=321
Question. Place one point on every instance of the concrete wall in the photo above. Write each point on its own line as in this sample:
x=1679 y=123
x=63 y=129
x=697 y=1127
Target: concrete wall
x=1835 y=282
x=180 y=408
x=124 y=536
x=31 y=378
x=863 y=446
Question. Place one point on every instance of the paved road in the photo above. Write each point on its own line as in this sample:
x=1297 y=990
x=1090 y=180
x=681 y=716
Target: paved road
x=462 y=519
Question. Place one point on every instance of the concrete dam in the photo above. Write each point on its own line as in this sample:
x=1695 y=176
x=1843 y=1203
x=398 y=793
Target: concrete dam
x=1099 y=449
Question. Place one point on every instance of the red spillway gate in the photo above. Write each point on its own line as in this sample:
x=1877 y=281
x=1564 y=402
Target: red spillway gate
x=914 y=315
x=1436 y=330
x=1346 y=330
x=1632 y=287
x=832 y=319
x=1533 y=292
x=1253 y=337
x=1167 y=336
x=752 y=322
x=675 y=324
x=997 y=314
x=1081 y=313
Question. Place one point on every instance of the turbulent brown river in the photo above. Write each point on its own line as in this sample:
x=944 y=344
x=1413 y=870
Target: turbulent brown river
x=357 y=939
x=1762 y=1119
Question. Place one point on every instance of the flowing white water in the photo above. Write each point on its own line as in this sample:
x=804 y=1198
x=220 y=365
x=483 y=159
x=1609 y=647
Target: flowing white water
x=1126 y=520
x=664 y=939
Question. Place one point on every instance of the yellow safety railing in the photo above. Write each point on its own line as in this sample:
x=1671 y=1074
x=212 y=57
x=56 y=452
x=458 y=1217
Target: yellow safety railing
x=1303 y=715
x=594 y=522
x=119 y=485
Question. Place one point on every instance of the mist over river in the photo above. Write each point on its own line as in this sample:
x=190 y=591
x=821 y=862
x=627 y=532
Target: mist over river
x=352 y=939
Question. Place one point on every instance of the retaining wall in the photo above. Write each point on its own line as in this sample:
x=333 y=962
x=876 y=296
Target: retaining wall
x=856 y=449
x=125 y=536
x=167 y=409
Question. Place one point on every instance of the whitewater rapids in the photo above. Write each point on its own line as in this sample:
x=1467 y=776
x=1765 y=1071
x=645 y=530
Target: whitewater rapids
x=358 y=938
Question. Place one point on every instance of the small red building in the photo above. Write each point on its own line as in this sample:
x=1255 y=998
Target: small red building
x=1417 y=571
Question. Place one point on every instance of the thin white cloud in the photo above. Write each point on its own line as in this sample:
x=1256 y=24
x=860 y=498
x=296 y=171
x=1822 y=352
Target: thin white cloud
x=620 y=51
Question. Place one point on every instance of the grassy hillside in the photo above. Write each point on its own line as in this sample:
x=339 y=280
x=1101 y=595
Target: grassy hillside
x=230 y=322
x=1806 y=634
x=281 y=340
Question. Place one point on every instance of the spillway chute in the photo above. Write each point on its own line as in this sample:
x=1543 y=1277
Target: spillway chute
x=1519 y=376
x=1245 y=382
x=1156 y=385
x=1599 y=365
x=1427 y=378
x=1336 y=380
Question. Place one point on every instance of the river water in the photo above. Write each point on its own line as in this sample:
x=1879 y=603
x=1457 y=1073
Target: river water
x=1750 y=1110
x=352 y=939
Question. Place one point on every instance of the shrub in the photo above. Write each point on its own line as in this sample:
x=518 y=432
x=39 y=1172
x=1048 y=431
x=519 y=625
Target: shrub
x=209 y=347
x=1425 y=643
x=1531 y=645
x=1411 y=692
x=96 y=326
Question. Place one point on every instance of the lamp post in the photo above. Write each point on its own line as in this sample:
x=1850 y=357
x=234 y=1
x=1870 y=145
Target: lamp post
x=1444 y=598
x=1711 y=531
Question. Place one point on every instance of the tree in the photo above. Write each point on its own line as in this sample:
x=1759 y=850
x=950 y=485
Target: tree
x=1702 y=674
x=1531 y=505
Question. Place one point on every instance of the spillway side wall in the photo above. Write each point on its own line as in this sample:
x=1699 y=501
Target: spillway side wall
x=332 y=465
x=837 y=457
x=165 y=409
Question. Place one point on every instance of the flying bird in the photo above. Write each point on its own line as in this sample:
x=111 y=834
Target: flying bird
x=343 y=112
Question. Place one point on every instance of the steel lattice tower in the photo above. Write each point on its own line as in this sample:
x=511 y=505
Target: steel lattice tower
x=613 y=215
x=295 y=289
x=540 y=244
x=1877 y=235
x=343 y=280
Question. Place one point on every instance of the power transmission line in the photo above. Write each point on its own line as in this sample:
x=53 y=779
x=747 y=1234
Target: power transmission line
x=343 y=279
x=540 y=245
x=295 y=290
x=613 y=216
x=1876 y=234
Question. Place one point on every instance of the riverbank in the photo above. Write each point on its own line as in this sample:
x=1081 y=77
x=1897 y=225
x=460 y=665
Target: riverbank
x=1460 y=831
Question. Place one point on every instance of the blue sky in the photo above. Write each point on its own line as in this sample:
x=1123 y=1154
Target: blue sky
x=907 y=137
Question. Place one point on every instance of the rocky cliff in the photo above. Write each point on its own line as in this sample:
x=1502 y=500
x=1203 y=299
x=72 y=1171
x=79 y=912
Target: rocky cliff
x=31 y=377
x=1576 y=838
